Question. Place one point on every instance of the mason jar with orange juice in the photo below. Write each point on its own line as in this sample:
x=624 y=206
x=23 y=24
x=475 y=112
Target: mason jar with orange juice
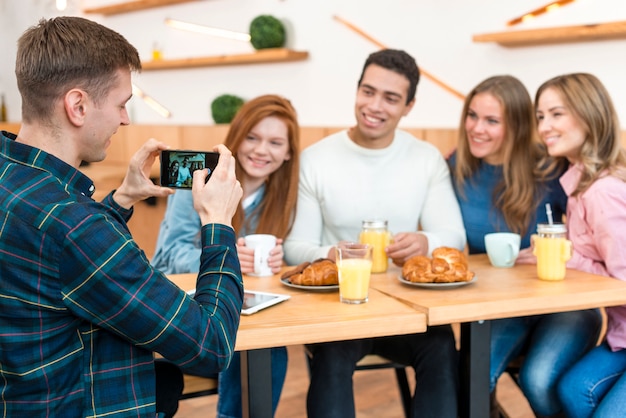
x=375 y=233
x=552 y=249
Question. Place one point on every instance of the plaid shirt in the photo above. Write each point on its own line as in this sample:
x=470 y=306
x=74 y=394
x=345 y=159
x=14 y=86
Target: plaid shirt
x=82 y=310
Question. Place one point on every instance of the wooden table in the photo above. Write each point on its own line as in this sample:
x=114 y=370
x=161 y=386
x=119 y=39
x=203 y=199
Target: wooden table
x=307 y=317
x=497 y=293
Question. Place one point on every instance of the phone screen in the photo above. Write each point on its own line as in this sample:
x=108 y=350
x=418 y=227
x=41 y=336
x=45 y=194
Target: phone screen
x=177 y=166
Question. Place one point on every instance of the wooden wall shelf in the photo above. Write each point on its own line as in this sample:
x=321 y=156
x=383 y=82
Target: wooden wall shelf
x=258 y=57
x=132 y=6
x=580 y=33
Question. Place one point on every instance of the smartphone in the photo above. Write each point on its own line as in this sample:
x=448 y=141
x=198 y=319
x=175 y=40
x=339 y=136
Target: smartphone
x=177 y=166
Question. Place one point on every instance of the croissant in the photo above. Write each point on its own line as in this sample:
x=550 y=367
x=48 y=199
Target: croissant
x=447 y=265
x=321 y=272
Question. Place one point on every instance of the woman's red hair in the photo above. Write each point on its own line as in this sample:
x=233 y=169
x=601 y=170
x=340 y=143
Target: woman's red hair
x=277 y=210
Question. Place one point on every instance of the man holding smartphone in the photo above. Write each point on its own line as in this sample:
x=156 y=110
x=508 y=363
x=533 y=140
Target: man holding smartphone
x=171 y=158
x=83 y=310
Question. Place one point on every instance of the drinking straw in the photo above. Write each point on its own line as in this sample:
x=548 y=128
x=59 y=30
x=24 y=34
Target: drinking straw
x=549 y=213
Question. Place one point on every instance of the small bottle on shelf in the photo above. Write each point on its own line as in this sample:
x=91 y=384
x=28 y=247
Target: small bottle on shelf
x=157 y=53
x=3 y=110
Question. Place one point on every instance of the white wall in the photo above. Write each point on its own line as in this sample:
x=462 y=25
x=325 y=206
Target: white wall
x=437 y=33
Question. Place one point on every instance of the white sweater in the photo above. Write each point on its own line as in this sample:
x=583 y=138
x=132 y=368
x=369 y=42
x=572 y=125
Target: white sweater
x=341 y=184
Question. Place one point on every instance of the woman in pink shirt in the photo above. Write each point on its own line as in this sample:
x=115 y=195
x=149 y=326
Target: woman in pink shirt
x=578 y=123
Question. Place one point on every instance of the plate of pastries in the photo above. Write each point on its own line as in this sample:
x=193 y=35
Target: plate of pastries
x=319 y=275
x=447 y=268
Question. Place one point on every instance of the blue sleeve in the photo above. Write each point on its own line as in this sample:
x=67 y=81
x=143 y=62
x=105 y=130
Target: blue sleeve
x=110 y=202
x=178 y=244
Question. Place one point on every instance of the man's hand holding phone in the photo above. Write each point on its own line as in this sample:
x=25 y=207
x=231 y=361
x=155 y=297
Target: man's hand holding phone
x=137 y=185
x=217 y=199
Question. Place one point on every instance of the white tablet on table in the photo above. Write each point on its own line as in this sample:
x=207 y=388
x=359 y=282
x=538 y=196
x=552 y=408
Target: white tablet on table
x=254 y=301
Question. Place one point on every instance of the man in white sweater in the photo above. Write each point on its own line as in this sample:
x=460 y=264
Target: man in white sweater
x=374 y=171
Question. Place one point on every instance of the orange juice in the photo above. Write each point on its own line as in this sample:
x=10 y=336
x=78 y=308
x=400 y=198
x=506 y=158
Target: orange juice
x=374 y=233
x=379 y=241
x=354 y=279
x=552 y=254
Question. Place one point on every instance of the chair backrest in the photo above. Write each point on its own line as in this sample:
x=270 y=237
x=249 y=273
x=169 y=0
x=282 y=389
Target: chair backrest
x=196 y=386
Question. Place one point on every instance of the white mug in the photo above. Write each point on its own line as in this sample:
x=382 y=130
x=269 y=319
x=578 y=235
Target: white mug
x=502 y=248
x=262 y=244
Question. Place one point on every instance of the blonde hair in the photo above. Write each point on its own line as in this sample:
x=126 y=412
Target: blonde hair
x=277 y=209
x=516 y=195
x=590 y=102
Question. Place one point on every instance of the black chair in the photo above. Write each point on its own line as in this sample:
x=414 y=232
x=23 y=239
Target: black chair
x=172 y=386
x=375 y=362
x=169 y=386
x=196 y=386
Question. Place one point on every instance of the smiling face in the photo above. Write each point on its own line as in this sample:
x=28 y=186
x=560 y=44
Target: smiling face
x=380 y=104
x=485 y=128
x=264 y=149
x=559 y=128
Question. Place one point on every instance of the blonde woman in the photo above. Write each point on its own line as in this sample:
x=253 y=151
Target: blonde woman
x=578 y=124
x=502 y=184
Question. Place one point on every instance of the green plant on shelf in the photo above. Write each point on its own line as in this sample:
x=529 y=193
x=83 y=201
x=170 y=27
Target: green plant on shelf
x=267 y=32
x=224 y=107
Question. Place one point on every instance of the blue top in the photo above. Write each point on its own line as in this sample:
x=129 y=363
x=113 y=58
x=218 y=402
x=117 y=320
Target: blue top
x=178 y=245
x=481 y=217
x=177 y=250
x=83 y=311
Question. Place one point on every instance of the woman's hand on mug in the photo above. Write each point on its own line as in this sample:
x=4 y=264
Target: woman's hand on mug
x=526 y=256
x=276 y=257
x=246 y=256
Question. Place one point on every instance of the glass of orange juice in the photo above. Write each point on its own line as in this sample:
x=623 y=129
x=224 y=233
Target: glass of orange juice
x=354 y=264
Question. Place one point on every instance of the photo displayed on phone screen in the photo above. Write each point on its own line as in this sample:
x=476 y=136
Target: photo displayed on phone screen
x=177 y=166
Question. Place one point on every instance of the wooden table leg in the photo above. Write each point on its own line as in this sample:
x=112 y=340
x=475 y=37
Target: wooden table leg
x=475 y=361
x=256 y=383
